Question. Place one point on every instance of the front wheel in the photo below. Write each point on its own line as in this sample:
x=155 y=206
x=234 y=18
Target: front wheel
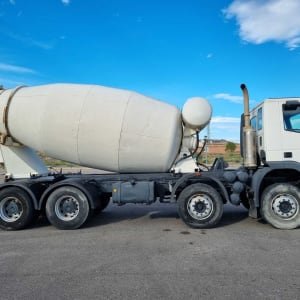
x=280 y=206
x=200 y=206
x=67 y=208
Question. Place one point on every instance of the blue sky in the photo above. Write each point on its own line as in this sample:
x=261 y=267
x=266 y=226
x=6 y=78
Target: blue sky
x=170 y=50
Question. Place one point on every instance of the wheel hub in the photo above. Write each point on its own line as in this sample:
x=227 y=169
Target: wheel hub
x=285 y=206
x=67 y=208
x=200 y=206
x=10 y=209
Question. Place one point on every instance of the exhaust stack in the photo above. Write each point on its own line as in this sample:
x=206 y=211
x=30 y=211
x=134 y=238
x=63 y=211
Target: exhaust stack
x=249 y=136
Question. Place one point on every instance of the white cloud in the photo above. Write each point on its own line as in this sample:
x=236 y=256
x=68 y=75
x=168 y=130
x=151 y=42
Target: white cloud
x=265 y=21
x=222 y=120
x=27 y=40
x=232 y=98
x=227 y=128
x=66 y=2
x=15 y=69
x=228 y=97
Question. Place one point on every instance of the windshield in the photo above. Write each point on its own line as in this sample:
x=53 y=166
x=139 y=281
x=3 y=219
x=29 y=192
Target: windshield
x=291 y=117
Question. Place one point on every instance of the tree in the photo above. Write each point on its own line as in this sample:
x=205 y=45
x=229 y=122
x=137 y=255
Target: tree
x=230 y=147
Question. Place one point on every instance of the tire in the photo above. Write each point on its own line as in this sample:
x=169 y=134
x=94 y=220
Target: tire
x=67 y=207
x=16 y=209
x=200 y=206
x=104 y=201
x=280 y=206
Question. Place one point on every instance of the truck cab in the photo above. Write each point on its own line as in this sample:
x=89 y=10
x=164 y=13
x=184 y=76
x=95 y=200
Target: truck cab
x=275 y=183
x=277 y=126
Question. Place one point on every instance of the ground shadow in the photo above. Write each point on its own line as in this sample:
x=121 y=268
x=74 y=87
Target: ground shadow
x=116 y=214
x=233 y=215
x=131 y=212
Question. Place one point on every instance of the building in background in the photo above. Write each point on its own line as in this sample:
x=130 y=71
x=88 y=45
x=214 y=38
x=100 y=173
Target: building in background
x=218 y=147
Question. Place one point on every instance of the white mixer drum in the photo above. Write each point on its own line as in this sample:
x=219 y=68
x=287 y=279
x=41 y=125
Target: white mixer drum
x=95 y=126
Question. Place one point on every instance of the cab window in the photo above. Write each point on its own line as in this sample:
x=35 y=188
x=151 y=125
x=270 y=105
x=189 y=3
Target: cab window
x=253 y=123
x=291 y=116
x=259 y=119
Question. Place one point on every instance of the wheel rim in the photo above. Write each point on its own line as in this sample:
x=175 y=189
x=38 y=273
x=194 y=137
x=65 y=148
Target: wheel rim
x=200 y=206
x=67 y=208
x=11 y=209
x=285 y=206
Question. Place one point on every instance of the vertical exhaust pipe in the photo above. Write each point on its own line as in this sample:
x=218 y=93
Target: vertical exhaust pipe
x=249 y=134
x=246 y=106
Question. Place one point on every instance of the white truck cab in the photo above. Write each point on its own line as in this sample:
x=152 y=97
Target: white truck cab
x=277 y=126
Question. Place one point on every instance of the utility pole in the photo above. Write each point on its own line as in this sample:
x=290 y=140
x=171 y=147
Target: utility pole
x=207 y=141
x=208 y=133
x=206 y=148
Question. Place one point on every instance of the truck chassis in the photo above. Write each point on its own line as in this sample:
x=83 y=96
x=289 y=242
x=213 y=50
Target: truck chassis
x=69 y=199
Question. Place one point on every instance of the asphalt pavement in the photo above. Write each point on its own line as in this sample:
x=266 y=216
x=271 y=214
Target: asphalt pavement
x=146 y=252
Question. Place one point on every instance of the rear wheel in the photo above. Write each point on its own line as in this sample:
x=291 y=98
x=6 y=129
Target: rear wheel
x=16 y=209
x=67 y=208
x=200 y=206
x=280 y=206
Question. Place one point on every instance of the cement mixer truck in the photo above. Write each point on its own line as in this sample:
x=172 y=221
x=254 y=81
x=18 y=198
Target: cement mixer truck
x=150 y=149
